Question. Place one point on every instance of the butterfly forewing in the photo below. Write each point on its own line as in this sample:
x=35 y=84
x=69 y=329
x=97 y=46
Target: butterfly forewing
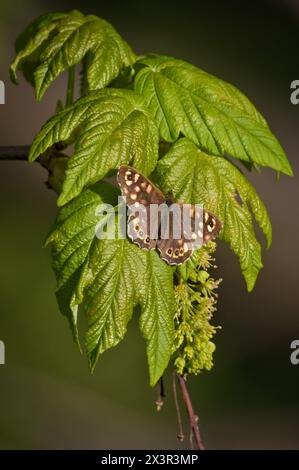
x=211 y=226
x=142 y=197
x=137 y=188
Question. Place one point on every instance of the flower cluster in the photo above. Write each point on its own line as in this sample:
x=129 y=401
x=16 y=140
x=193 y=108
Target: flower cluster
x=196 y=302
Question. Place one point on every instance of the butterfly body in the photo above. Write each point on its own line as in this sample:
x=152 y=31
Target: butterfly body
x=157 y=221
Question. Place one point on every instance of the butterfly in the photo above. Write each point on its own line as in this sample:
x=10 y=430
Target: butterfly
x=165 y=230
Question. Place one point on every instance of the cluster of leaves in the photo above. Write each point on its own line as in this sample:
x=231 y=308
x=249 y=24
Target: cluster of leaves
x=196 y=299
x=103 y=275
x=128 y=106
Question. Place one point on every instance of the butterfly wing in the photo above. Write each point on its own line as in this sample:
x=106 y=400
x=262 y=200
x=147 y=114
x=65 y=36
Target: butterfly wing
x=137 y=188
x=139 y=228
x=139 y=194
x=197 y=227
x=211 y=226
x=175 y=251
x=174 y=245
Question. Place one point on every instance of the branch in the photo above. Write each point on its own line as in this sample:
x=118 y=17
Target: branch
x=52 y=160
x=18 y=152
x=193 y=418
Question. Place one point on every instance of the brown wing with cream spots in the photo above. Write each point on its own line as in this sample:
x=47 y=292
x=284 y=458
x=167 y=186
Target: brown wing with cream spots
x=198 y=227
x=174 y=251
x=136 y=188
x=139 y=194
x=176 y=246
x=211 y=226
x=139 y=228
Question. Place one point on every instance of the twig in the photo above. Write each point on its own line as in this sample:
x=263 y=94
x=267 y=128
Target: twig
x=18 y=152
x=52 y=160
x=160 y=394
x=181 y=436
x=193 y=418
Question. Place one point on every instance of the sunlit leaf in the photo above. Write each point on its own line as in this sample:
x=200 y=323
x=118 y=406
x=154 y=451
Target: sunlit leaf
x=113 y=128
x=211 y=112
x=55 y=42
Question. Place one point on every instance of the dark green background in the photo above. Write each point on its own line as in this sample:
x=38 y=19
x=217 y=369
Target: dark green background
x=250 y=399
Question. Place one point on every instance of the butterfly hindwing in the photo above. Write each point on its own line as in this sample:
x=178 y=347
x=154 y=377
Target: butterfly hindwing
x=139 y=228
x=175 y=251
x=181 y=233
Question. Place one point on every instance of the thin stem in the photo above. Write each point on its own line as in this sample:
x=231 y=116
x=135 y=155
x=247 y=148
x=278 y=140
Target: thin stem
x=193 y=418
x=181 y=436
x=160 y=394
x=18 y=152
x=70 y=86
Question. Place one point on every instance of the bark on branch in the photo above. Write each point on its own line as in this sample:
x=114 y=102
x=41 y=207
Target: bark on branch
x=17 y=152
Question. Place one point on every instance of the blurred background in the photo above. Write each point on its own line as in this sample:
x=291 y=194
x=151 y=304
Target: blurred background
x=251 y=397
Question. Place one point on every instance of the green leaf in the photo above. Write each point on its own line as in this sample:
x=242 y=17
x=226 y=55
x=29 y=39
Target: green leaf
x=113 y=129
x=109 y=278
x=211 y=112
x=109 y=274
x=71 y=239
x=157 y=317
x=57 y=41
x=196 y=177
x=29 y=44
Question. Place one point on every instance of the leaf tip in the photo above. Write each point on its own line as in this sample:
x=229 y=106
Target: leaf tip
x=250 y=287
x=269 y=242
x=13 y=75
x=153 y=381
x=61 y=201
x=91 y=364
x=32 y=157
x=39 y=94
x=285 y=167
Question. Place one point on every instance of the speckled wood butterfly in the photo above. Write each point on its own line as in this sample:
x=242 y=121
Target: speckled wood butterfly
x=156 y=221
